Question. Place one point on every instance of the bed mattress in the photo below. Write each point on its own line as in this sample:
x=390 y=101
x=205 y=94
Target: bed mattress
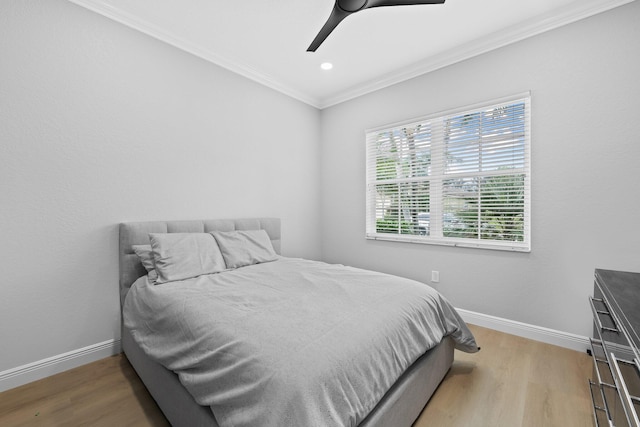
x=290 y=342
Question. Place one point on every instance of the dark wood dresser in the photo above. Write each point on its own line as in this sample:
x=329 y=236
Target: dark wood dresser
x=615 y=388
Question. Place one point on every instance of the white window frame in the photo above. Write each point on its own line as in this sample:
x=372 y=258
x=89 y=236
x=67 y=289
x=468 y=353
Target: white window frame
x=438 y=173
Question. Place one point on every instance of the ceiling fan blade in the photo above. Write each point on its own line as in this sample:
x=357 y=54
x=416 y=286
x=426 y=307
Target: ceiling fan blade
x=345 y=8
x=337 y=15
x=377 y=3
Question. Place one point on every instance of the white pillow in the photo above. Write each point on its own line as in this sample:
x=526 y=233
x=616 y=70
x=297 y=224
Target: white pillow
x=146 y=258
x=246 y=247
x=179 y=256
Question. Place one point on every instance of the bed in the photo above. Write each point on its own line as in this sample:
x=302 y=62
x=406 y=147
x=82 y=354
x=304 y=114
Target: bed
x=399 y=405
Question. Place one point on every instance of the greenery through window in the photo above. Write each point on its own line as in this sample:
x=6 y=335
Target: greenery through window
x=458 y=178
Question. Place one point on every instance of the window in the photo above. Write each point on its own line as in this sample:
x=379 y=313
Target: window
x=459 y=178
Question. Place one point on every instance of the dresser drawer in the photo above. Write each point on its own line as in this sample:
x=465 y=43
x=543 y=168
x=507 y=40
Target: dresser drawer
x=604 y=394
x=615 y=387
x=627 y=380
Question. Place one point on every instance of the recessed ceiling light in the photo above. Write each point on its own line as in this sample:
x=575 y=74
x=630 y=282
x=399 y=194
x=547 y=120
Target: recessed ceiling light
x=326 y=65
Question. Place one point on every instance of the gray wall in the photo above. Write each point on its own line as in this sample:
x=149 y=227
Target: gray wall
x=585 y=153
x=100 y=124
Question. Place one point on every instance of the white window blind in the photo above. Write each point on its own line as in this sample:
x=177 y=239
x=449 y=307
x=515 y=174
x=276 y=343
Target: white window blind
x=460 y=178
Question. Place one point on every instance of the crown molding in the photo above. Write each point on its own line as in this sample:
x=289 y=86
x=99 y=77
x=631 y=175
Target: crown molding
x=133 y=22
x=567 y=15
x=510 y=35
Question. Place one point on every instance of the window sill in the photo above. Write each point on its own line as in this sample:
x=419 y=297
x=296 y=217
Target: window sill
x=474 y=244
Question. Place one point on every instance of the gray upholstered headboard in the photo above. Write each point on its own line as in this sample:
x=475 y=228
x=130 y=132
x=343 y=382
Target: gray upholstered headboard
x=137 y=233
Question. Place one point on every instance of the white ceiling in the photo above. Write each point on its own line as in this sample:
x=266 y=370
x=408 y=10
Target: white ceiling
x=266 y=40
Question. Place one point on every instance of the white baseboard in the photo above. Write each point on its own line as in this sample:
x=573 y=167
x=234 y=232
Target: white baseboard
x=21 y=375
x=44 y=368
x=537 y=333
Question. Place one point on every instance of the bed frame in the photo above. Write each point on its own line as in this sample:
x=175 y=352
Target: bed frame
x=400 y=406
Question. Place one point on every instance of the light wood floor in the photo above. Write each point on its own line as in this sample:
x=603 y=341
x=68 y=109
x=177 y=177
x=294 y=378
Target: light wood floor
x=511 y=382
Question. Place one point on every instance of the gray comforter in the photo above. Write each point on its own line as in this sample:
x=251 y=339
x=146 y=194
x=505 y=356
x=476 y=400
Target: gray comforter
x=290 y=342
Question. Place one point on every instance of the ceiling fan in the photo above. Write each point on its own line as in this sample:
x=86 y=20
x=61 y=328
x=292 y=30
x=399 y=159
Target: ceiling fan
x=344 y=8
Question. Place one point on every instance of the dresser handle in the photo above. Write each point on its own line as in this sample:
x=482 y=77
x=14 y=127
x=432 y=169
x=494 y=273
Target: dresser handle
x=596 y=361
x=627 y=399
x=636 y=365
x=596 y=408
x=596 y=315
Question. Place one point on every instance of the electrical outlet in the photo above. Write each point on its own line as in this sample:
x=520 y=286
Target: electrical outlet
x=435 y=276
